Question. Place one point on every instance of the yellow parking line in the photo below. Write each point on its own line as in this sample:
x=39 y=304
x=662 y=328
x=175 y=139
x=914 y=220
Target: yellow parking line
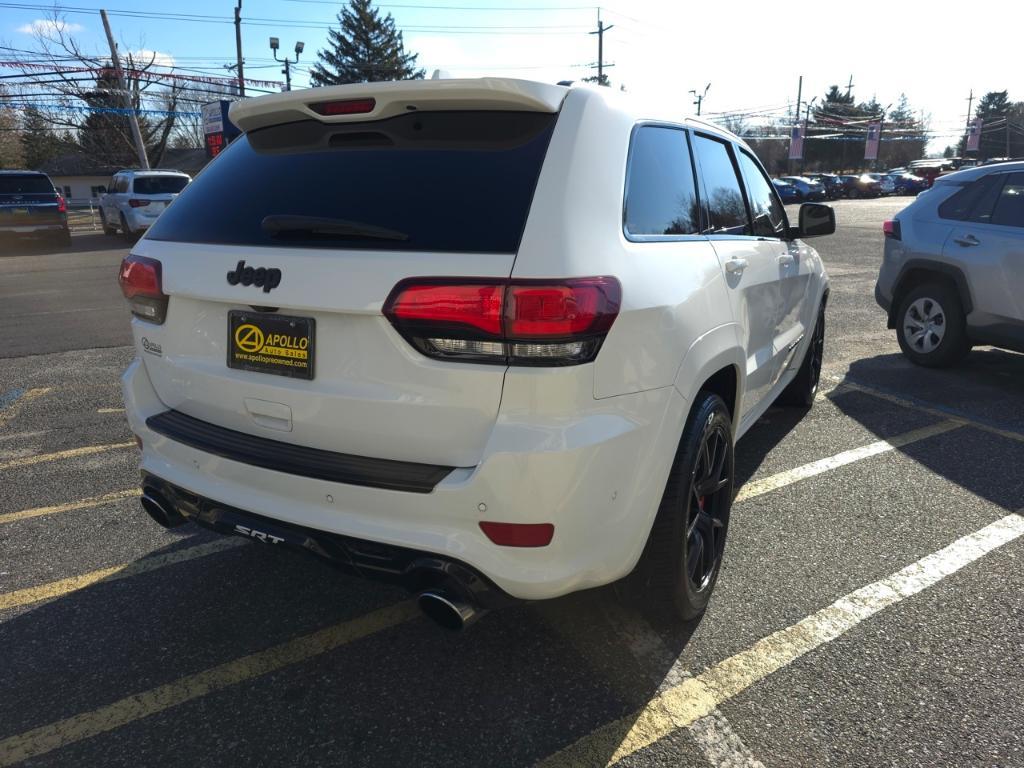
x=71 y=453
x=782 y=479
x=682 y=705
x=29 y=396
x=63 y=587
x=94 y=501
x=110 y=410
x=85 y=725
x=903 y=402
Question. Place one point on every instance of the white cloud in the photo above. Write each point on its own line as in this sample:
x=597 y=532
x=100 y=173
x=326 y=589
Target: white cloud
x=143 y=56
x=49 y=27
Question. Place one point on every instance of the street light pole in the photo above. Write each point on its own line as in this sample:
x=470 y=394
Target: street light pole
x=287 y=71
x=698 y=98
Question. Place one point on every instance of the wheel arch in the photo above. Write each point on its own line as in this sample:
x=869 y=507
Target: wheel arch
x=917 y=271
x=715 y=363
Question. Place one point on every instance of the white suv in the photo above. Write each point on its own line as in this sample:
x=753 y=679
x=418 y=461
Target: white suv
x=491 y=339
x=135 y=199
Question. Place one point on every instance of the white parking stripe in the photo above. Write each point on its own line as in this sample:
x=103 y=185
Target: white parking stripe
x=684 y=704
x=790 y=476
x=721 y=745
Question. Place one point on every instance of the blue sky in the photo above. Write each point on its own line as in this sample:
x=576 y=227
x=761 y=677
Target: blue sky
x=752 y=54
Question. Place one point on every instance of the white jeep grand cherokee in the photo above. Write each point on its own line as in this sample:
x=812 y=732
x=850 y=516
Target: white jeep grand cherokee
x=491 y=339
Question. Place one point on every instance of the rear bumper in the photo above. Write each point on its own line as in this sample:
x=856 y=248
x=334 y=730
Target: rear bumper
x=597 y=475
x=416 y=571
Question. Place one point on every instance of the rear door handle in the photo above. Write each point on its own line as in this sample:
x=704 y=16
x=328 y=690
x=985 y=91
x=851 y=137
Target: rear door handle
x=786 y=259
x=735 y=266
x=967 y=241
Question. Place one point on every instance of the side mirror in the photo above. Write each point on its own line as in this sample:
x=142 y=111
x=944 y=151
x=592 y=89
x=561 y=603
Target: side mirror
x=815 y=220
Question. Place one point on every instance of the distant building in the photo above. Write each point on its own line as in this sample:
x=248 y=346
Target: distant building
x=81 y=179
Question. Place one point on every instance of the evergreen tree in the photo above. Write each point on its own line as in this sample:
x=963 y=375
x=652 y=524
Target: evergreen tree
x=11 y=150
x=367 y=48
x=39 y=142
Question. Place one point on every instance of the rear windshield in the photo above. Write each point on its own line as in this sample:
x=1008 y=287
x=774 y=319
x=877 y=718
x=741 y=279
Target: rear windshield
x=431 y=181
x=159 y=185
x=25 y=185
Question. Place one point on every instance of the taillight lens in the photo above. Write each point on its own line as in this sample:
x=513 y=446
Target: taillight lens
x=136 y=203
x=62 y=204
x=141 y=284
x=508 y=322
x=891 y=229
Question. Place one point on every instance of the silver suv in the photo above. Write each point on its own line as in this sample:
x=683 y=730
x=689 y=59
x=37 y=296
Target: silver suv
x=953 y=270
x=135 y=199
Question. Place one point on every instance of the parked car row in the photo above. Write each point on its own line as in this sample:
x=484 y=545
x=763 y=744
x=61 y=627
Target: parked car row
x=830 y=186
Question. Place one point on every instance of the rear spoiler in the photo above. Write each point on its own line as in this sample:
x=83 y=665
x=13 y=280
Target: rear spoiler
x=375 y=101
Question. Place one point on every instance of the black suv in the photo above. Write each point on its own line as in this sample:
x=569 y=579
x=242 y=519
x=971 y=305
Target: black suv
x=31 y=208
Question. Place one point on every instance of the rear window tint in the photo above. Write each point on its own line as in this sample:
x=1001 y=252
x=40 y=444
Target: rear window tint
x=661 y=195
x=727 y=210
x=974 y=202
x=447 y=181
x=159 y=185
x=25 y=185
x=1009 y=210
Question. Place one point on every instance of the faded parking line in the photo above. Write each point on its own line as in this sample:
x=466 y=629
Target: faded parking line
x=71 y=453
x=94 y=501
x=63 y=587
x=44 y=739
x=686 y=703
x=790 y=476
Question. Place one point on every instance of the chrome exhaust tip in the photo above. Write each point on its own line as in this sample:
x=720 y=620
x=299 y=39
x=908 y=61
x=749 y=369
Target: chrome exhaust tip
x=446 y=610
x=158 y=509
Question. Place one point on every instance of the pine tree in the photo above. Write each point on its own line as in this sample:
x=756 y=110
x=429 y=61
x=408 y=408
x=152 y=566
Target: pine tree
x=40 y=143
x=11 y=150
x=367 y=48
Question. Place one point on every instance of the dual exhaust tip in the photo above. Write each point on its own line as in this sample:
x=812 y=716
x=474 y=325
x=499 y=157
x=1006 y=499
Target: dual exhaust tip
x=442 y=606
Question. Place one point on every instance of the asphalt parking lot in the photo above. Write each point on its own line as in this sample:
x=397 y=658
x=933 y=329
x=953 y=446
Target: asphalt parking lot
x=869 y=611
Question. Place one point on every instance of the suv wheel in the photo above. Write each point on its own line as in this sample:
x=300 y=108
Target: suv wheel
x=107 y=229
x=930 y=326
x=684 y=552
x=802 y=390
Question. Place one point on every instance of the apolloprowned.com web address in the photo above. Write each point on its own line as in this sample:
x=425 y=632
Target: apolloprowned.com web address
x=271 y=360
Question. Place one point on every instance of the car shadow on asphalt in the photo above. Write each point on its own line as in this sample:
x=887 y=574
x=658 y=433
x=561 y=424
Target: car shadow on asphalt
x=987 y=390
x=515 y=688
x=83 y=243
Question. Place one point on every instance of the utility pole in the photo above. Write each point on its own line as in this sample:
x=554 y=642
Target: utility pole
x=287 y=71
x=238 y=48
x=849 y=87
x=967 y=122
x=133 y=118
x=799 y=95
x=601 y=29
x=698 y=98
x=807 y=120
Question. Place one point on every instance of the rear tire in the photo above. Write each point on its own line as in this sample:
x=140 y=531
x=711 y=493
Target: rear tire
x=107 y=229
x=683 y=556
x=126 y=230
x=63 y=240
x=931 y=327
x=802 y=390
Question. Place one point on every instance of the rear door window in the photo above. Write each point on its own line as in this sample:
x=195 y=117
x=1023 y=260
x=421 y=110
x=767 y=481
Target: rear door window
x=422 y=181
x=1009 y=208
x=975 y=201
x=661 y=194
x=723 y=193
x=159 y=185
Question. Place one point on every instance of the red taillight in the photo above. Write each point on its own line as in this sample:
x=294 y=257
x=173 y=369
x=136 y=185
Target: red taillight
x=141 y=284
x=135 y=203
x=518 y=322
x=62 y=204
x=519 y=534
x=891 y=229
x=346 y=107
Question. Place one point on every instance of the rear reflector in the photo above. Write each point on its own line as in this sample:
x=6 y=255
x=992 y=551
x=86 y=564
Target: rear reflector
x=519 y=534
x=136 y=203
x=141 y=284
x=346 y=107
x=62 y=204
x=507 y=322
x=891 y=229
